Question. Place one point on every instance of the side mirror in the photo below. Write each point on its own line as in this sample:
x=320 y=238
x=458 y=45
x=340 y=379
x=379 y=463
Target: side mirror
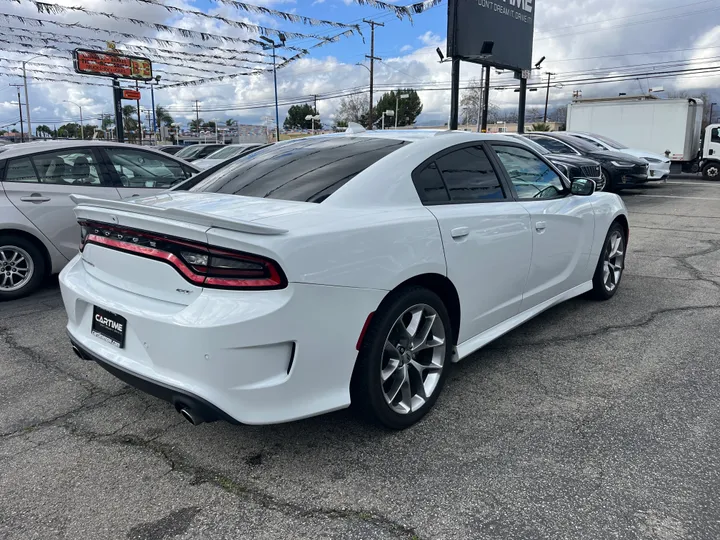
x=583 y=187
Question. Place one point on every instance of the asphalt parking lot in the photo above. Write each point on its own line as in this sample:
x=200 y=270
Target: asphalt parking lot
x=595 y=420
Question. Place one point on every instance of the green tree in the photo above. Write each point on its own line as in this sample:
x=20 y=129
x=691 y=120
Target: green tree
x=89 y=131
x=71 y=130
x=409 y=108
x=163 y=117
x=43 y=131
x=129 y=113
x=541 y=126
x=209 y=125
x=296 y=118
x=195 y=123
x=230 y=122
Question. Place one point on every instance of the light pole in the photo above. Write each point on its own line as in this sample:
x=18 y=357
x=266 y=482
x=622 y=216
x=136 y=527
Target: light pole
x=215 y=121
x=152 y=101
x=272 y=45
x=313 y=118
x=711 y=109
x=547 y=96
x=384 y=114
x=27 y=102
x=82 y=135
x=398 y=97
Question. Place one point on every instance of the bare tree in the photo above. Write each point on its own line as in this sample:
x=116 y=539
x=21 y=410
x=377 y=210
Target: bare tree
x=353 y=108
x=560 y=114
x=470 y=102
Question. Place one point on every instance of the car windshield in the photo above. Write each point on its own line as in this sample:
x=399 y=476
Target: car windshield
x=227 y=152
x=192 y=151
x=309 y=169
x=532 y=144
x=611 y=143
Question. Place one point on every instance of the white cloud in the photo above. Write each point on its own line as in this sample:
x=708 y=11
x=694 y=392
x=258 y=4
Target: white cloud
x=406 y=48
x=430 y=38
x=318 y=2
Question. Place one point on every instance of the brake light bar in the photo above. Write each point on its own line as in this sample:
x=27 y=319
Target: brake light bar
x=200 y=264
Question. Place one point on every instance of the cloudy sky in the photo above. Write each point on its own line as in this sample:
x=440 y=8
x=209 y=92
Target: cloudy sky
x=580 y=39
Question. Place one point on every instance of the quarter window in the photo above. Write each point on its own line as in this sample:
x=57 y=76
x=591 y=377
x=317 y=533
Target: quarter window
x=469 y=176
x=429 y=185
x=20 y=170
x=138 y=169
x=531 y=176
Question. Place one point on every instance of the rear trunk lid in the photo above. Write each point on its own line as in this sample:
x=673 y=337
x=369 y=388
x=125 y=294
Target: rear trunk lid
x=145 y=245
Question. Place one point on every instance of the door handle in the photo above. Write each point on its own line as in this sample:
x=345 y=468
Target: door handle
x=35 y=198
x=711 y=152
x=459 y=232
x=540 y=226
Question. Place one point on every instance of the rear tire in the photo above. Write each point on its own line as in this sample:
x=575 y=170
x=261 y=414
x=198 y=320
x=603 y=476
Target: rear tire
x=711 y=171
x=404 y=358
x=611 y=264
x=22 y=267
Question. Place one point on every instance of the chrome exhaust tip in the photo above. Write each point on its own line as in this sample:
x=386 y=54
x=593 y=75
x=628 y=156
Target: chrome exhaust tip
x=78 y=352
x=191 y=416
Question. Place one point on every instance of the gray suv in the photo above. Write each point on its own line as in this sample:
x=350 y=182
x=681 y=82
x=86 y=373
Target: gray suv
x=38 y=230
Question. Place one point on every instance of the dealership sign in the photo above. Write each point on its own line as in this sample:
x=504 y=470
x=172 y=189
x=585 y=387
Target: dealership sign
x=109 y=64
x=492 y=32
x=131 y=94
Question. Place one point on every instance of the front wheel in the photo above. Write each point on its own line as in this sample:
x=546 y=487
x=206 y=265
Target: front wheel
x=611 y=264
x=711 y=171
x=404 y=358
x=607 y=182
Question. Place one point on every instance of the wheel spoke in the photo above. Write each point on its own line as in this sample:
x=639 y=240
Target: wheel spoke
x=406 y=393
x=415 y=319
x=389 y=370
x=422 y=335
x=398 y=380
x=391 y=351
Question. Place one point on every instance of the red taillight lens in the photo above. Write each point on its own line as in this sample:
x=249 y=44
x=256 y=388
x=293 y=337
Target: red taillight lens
x=200 y=264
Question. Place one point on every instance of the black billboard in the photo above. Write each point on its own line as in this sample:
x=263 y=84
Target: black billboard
x=498 y=33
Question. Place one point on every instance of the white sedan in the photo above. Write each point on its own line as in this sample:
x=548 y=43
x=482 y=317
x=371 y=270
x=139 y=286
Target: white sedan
x=226 y=152
x=658 y=166
x=337 y=269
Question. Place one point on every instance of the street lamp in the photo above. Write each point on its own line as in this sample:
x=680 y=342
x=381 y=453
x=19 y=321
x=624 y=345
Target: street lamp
x=27 y=102
x=398 y=97
x=82 y=135
x=272 y=45
x=711 y=109
x=152 y=100
x=313 y=118
x=389 y=113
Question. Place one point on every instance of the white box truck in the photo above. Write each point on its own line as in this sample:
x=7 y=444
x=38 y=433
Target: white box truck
x=670 y=127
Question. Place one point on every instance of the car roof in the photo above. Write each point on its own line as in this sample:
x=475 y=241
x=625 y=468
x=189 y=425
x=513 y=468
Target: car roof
x=35 y=147
x=414 y=135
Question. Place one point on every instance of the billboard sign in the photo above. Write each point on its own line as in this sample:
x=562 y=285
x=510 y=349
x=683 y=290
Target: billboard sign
x=109 y=64
x=131 y=94
x=498 y=33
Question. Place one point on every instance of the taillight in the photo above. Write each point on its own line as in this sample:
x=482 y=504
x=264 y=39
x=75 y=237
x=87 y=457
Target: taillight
x=200 y=264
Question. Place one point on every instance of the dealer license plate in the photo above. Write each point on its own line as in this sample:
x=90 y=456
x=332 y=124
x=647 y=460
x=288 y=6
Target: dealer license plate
x=108 y=326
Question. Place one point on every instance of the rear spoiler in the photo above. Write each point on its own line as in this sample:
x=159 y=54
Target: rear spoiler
x=188 y=216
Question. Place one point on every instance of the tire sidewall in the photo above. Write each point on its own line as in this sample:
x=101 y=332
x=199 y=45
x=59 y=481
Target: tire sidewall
x=38 y=263
x=598 y=283
x=367 y=381
x=706 y=171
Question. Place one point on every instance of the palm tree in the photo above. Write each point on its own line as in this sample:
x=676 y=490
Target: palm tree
x=128 y=112
x=230 y=122
x=163 y=116
x=43 y=131
x=195 y=123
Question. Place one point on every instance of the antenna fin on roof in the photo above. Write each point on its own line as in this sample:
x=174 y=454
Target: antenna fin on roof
x=354 y=127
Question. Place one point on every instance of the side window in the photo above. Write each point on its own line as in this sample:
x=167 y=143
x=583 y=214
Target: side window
x=715 y=135
x=20 y=170
x=68 y=167
x=553 y=145
x=531 y=176
x=138 y=169
x=469 y=176
x=429 y=185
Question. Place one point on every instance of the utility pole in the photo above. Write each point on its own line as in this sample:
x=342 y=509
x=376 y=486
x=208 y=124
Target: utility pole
x=486 y=100
x=19 y=107
x=315 y=105
x=197 y=119
x=372 y=58
x=480 y=100
x=547 y=96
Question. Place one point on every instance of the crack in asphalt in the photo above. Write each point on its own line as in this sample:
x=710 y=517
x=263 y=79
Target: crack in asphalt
x=605 y=329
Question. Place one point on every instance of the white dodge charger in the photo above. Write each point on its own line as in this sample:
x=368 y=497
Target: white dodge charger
x=337 y=269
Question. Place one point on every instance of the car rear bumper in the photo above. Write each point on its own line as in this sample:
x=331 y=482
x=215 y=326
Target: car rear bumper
x=253 y=357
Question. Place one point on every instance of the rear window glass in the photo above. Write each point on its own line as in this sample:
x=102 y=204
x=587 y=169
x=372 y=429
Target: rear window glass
x=308 y=170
